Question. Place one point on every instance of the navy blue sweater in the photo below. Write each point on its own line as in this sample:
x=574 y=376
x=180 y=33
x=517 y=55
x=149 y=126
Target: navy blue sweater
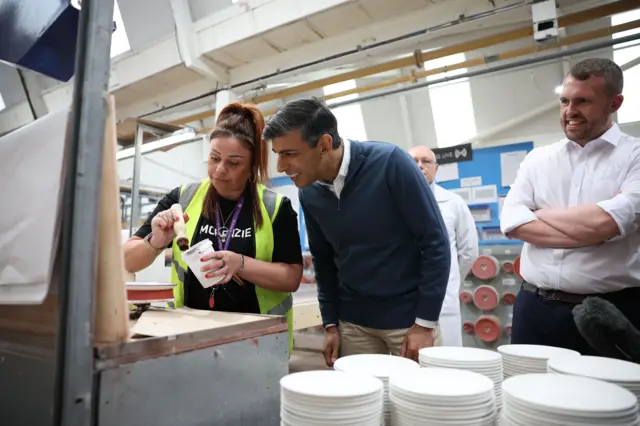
x=381 y=252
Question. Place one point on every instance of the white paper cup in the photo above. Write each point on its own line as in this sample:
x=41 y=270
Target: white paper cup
x=192 y=257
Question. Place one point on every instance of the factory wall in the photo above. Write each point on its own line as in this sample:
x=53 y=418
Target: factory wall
x=140 y=33
x=202 y=8
x=496 y=99
x=167 y=170
x=383 y=120
x=405 y=119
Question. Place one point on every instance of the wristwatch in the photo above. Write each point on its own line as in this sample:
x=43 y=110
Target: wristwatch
x=147 y=241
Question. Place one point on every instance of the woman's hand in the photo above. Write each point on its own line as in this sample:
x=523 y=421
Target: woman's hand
x=221 y=263
x=162 y=228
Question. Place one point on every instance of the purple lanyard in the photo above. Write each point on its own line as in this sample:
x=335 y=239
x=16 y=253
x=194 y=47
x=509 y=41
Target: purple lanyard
x=232 y=226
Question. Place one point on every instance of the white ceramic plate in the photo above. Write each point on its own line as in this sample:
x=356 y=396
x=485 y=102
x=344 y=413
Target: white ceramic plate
x=535 y=351
x=564 y=394
x=442 y=382
x=608 y=369
x=381 y=366
x=331 y=384
x=454 y=354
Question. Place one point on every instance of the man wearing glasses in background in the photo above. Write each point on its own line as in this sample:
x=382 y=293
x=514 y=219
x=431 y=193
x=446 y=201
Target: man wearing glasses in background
x=463 y=240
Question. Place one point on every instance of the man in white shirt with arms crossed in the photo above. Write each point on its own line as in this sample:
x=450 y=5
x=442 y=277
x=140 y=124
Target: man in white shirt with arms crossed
x=576 y=205
x=463 y=239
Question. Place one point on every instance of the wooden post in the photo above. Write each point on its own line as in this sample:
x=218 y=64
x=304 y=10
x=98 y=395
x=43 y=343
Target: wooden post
x=111 y=321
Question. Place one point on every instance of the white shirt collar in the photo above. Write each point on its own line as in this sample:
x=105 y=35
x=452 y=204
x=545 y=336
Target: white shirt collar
x=346 y=159
x=612 y=136
x=439 y=193
x=344 y=166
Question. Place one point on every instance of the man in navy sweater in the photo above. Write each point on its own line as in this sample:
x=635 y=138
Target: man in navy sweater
x=379 y=244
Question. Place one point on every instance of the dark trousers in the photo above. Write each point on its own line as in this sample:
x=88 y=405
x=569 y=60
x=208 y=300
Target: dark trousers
x=537 y=321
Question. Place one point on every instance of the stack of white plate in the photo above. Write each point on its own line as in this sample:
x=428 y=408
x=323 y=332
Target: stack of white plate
x=622 y=373
x=483 y=361
x=319 y=398
x=380 y=366
x=558 y=399
x=442 y=397
x=525 y=359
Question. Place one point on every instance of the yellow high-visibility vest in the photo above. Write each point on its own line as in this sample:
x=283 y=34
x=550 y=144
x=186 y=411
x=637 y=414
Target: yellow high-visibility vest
x=192 y=200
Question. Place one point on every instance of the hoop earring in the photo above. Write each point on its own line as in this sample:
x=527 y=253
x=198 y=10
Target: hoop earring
x=252 y=178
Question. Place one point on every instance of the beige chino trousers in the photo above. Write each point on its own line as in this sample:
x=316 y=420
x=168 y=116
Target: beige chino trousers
x=357 y=340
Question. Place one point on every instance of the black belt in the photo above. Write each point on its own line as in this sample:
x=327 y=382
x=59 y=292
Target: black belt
x=555 y=295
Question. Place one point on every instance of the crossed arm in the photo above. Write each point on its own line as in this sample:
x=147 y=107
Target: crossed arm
x=587 y=224
x=572 y=227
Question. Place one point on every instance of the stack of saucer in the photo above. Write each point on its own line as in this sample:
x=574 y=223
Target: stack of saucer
x=525 y=359
x=558 y=399
x=482 y=361
x=621 y=373
x=318 y=398
x=380 y=366
x=442 y=396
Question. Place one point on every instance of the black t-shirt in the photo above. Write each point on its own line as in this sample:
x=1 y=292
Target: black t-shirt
x=232 y=297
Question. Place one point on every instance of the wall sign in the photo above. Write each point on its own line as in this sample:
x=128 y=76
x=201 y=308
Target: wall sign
x=454 y=154
x=470 y=181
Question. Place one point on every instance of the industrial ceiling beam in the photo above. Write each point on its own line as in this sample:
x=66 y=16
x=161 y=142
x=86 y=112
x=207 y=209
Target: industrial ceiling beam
x=188 y=44
x=511 y=54
x=579 y=50
x=579 y=38
x=419 y=57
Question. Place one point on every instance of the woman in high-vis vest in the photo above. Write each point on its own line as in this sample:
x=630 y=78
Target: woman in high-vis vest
x=254 y=230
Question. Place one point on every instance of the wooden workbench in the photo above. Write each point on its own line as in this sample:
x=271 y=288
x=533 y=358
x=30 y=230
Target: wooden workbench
x=227 y=374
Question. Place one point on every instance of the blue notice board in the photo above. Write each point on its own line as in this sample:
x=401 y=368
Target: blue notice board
x=486 y=165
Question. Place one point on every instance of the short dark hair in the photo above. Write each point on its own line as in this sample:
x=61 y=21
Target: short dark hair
x=309 y=115
x=600 y=67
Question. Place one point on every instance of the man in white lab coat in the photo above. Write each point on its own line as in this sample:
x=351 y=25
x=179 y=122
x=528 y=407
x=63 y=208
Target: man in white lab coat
x=463 y=239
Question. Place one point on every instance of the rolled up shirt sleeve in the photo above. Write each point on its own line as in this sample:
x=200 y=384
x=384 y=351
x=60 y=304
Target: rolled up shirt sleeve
x=518 y=208
x=624 y=208
x=426 y=324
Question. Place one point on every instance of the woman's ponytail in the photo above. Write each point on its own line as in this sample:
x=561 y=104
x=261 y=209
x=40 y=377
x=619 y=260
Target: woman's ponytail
x=245 y=123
